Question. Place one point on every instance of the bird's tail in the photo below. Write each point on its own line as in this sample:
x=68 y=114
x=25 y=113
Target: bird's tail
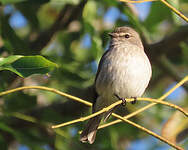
x=89 y=133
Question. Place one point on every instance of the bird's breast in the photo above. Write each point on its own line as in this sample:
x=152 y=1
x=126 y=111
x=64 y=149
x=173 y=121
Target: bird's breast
x=123 y=72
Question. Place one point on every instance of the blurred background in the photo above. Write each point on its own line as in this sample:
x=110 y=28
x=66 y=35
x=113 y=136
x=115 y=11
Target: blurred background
x=73 y=34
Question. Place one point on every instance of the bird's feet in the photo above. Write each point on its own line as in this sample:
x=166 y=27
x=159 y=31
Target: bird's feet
x=123 y=99
x=134 y=101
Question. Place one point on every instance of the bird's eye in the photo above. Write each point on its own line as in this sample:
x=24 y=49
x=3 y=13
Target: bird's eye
x=127 y=36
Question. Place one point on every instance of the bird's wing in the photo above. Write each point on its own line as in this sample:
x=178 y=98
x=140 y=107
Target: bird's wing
x=98 y=71
x=100 y=64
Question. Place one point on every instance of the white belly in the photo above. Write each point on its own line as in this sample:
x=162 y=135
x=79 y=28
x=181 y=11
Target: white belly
x=125 y=76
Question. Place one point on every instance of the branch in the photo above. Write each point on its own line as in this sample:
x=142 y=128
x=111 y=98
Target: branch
x=118 y=103
x=175 y=10
x=90 y=104
x=110 y=107
x=149 y=132
x=46 y=89
x=167 y=44
x=136 y=1
x=185 y=79
x=157 y=52
x=163 y=1
x=68 y=14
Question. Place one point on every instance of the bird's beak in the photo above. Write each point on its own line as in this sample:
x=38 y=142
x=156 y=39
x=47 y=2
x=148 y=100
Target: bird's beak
x=111 y=34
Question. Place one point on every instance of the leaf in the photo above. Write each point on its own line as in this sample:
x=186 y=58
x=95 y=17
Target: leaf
x=175 y=129
x=155 y=18
x=10 y=1
x=30 y=13
x=9 y=59
x=18 y=1
x=63 y=2
x=25 y=66
x=6 y=128
x=89 y=11
x=19 y=101
x=175 y=17
x=3 y=144
x=9 y=35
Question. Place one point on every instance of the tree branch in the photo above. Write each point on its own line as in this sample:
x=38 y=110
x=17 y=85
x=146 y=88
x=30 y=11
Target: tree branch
x=68 y=14
x=167 y=44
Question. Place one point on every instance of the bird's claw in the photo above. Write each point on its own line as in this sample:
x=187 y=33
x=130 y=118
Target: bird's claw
x=134 y=101
x=123 y=99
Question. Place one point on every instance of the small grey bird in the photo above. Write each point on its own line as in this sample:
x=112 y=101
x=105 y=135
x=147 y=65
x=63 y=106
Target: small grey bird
x=124 y=72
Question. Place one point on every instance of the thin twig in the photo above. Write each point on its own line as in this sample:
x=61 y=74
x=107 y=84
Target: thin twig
x=115 y=104
x=136 y=1
x=149 y=132
x=164 y=2
x=174 y=10
x=185 y=79
x=47 y=89
x=90 y=104
x=88 y=117
x=107 y=108
x=68 y=14
x=165 y=103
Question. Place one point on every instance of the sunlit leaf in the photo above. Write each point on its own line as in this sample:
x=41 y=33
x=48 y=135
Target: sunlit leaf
x=89 y=11
x=175 y=17
x=62 y=2
x=25 y=66
x=11 y=1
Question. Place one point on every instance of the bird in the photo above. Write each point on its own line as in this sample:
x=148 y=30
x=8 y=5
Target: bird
x=124 y=72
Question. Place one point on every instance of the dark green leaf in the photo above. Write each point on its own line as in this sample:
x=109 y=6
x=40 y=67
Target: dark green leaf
x=17 y=44
x=18 y=1
x=19 y=102
x=25 y=66
x=3 y=144
x=30 y=12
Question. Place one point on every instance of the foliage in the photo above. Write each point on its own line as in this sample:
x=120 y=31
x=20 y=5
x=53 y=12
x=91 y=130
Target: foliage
x=36 y=35
x=25 y=66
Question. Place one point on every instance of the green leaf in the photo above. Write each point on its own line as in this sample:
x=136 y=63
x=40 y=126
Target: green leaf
x=25 y=66
x=155 y=18
x=6 y=128
x=175 y=17
x=11 y=1
x=63 y=2
x=17 y=102
x=9 y=59
x=16 y=44
x=30 y=13
x=89 y=12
